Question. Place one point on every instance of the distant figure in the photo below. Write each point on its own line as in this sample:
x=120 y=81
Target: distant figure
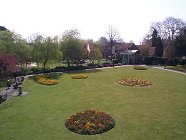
x=165 y=65
x=18 y=80
x=8 y=84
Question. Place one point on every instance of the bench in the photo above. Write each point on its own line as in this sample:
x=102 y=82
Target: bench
x=3 y=97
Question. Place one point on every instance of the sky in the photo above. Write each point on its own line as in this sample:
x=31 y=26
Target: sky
x=131 y=18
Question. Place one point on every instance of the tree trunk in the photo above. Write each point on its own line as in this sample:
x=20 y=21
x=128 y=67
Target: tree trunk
x=44 y=64
x=68 y=67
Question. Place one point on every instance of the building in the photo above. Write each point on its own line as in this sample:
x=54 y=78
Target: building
x=130 y=55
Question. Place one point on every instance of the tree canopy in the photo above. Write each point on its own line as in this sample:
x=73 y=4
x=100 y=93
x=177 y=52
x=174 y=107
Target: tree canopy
x=45 y=50
x=157 y=43
x=180 y=44
x=71 y=46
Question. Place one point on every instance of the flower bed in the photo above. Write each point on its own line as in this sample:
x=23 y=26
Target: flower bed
x=43 y=79
x=79 y=76
x=90 y=122
x=140 y=67
x=135 y=82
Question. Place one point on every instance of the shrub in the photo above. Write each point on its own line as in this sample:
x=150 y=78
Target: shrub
x=90 y=122
x=8 y=65
x=140 y=67
x=154 y=60
x=24 y=71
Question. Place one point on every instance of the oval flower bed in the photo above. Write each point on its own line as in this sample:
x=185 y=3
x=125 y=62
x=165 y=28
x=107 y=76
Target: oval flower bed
x=43 y=79
x=79 y=76
x=135 y=82
x=90 y=122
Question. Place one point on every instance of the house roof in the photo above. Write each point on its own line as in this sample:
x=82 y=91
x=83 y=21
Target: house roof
x=132 y=46
x=129 y=52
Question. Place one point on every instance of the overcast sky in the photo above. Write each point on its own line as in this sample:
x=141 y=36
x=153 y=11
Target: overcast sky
x=92 y=18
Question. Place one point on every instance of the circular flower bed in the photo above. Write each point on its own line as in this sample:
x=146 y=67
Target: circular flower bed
x=90 y=122
x=135 y=82
x=79 y=76
x=43 y=79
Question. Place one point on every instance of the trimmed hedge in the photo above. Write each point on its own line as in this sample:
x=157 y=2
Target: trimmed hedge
x=140 y=67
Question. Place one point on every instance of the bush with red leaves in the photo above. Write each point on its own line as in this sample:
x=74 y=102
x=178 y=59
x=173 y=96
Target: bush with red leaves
x=8 y=64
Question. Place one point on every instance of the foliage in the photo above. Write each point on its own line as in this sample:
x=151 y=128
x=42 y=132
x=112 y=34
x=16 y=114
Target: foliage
x=71 y=46
x=79 y=76
x=154 y=60
x=44 y=79
x=157 y=43
x=45 y=50
x=90 y=122
x=154 y=38
x=180 y=44
x=14 y=44
x=103 y=43
x=36 y=44
x=133 y=82
x=159 y=48
x=7 y=42
x=23 y=52
x=8 y=65
x=140 y=67
x=168 y=30
x=24 y=71
x=2 y=28
x=95 y=53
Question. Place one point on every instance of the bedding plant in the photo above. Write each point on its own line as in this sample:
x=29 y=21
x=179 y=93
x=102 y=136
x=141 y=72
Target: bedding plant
x=90 y=122
x=134 y=82
x=79 y=76
x=44 y=79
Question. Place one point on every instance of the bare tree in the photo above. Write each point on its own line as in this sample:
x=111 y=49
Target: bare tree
x=169 y=28
x=114 y=38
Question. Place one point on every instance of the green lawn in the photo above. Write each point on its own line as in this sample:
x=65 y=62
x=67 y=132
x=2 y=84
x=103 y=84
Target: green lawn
x=152 y=113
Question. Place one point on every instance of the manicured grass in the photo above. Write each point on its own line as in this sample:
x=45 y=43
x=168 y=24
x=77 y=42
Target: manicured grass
x=177 y=68
x=156 y=112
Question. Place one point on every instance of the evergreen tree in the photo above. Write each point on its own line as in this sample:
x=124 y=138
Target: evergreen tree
x=157 y=43
x=159 y=47
x=154 y=37
x=2 y=28
x=180 y=44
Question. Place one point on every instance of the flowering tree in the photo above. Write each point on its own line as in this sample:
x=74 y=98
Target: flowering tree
x=8 y=65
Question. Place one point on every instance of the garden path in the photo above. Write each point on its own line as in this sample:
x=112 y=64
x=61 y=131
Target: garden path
x=162 y=68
